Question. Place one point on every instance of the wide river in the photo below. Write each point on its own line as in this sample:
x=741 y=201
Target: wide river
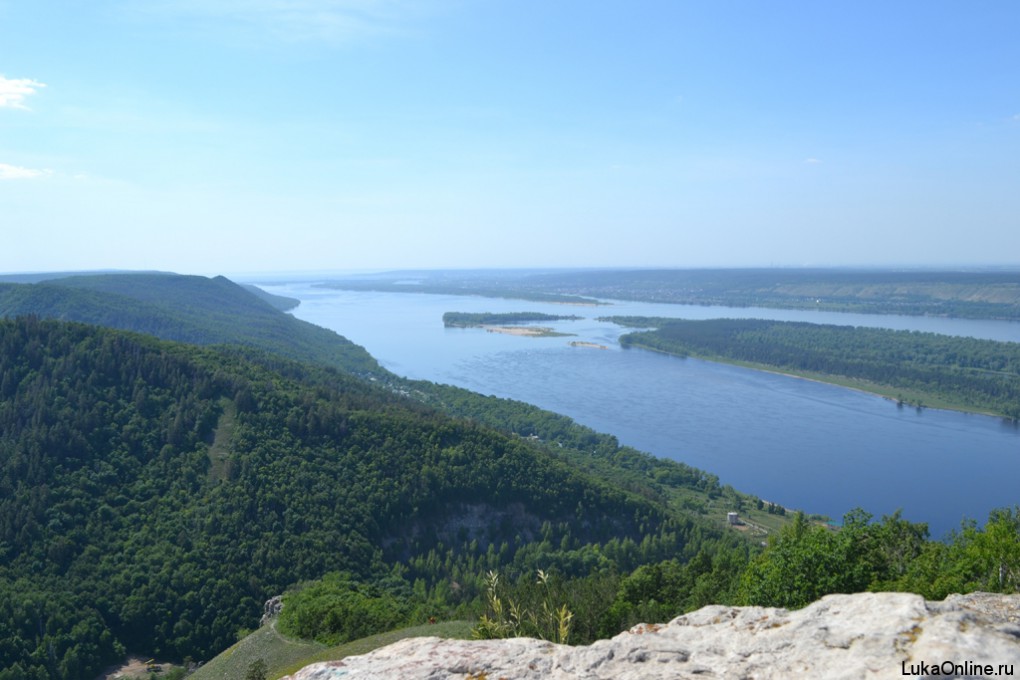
x=803 y=444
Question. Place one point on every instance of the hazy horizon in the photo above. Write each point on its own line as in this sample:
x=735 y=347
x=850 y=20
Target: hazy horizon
x=269 y=275
x=239 y=137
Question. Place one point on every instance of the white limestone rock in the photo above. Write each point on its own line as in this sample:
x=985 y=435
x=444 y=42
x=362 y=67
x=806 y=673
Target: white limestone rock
x=867 y=635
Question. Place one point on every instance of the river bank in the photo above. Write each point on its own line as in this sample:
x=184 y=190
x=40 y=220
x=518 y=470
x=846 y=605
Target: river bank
x=900 y=396
x=801 y=443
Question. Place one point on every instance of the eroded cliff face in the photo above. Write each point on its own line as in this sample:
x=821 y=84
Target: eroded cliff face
x=867 y=635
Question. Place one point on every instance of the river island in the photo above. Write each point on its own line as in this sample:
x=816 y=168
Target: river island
x=509 y=323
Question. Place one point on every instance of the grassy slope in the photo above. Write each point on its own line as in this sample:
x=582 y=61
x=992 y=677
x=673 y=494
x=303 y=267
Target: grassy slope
x=276 y=650
x=286 y=657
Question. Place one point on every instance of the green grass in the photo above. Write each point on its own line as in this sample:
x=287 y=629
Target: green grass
x=285 y=656
x=456 y=630
x=276 y=650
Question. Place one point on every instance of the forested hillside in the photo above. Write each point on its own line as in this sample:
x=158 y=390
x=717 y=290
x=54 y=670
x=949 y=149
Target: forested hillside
x=190 y=309
x=210 y=311
x=152 y=495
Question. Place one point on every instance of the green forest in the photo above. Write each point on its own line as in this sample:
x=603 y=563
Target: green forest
x=153 y=494
x=466 y=319
x=191 y=309
x=921 y=368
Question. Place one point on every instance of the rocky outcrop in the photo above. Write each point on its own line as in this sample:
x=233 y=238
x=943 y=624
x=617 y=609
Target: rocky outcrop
x=867 y=635
x=271 y=609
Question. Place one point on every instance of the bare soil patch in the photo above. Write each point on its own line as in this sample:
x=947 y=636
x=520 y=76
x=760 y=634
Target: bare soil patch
x=132 y=667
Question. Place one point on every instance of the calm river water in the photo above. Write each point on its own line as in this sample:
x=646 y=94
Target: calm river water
x=803 y=444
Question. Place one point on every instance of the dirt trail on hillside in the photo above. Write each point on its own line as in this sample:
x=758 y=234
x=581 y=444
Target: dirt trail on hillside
x=131 y=667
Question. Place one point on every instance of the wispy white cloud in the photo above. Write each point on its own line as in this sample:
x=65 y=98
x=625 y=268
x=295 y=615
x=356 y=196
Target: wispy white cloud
x=15 y=172
x=13 y=91
x=331 y=21
x=812 y=161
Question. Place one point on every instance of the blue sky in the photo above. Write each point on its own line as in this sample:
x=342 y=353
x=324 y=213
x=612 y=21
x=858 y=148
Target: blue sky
x=229 y=136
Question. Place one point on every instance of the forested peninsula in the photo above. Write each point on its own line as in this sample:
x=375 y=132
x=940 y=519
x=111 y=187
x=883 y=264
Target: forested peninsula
x=923 y=369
